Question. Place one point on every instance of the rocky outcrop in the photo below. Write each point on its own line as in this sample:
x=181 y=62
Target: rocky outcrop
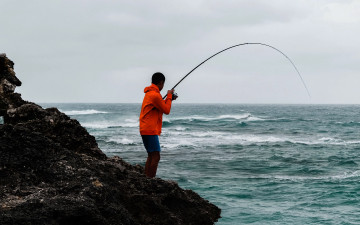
x=52 y=172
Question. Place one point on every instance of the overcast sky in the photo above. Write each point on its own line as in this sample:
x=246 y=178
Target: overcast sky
x=107 y=50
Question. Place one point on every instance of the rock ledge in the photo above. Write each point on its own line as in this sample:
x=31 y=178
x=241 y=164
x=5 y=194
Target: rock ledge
x=52 y=172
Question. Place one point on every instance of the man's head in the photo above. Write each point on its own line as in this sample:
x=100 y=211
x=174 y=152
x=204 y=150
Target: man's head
x=158 y=79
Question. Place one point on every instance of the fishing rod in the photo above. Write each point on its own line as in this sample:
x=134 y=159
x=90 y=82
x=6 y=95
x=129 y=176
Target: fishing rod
x=302 y=80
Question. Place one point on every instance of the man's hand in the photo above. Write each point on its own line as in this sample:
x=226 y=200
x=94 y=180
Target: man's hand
x=174 y=95
x=170 y=92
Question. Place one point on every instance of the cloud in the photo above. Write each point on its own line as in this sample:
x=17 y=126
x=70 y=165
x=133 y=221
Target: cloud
x=66 y=49
x=342 y=12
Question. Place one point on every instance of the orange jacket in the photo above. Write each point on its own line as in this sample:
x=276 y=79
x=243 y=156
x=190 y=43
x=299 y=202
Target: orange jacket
x=152 y=110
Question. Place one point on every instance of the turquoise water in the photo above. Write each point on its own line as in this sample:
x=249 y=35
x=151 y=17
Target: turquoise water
x=261 y=164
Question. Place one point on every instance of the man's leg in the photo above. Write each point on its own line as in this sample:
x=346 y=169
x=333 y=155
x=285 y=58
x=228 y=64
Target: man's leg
x=155 y=158
x=147 y=165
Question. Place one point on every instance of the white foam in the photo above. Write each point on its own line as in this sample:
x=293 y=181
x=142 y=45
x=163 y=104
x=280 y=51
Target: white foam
x=104 y=125
x=181 y=143
x=212 y=134
x=129 y=125
x=244 y=116
x=237 y=117
x=345 y=175
x=213 y=138
x=253 y=138
x=180 y=128
x=185 y=133
x=326 y=141
x=245 y=139
x=353 y=142
x=123 y=141
x=342 y=176
x=217 y=137
x=227 y=157
x=166 y=119
x=192 y=118
x=95 y=125
x=131 y=120
x=253 y=118
x=83 y=112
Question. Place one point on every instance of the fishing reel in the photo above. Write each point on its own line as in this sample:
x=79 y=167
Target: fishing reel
x=174 y=96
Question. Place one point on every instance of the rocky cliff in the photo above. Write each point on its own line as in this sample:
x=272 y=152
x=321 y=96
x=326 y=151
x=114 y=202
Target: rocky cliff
x=52 y=172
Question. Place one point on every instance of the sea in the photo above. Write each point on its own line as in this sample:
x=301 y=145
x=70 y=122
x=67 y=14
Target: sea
x=261 y=164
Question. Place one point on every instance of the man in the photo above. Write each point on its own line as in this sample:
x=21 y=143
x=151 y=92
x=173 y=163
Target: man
x=152 y=110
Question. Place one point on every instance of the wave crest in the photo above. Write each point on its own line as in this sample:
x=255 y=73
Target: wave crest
x=123 y=141
x=83 y=112
x=226 y=117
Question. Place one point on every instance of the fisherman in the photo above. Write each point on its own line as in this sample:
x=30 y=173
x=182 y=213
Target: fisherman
x=152 y=110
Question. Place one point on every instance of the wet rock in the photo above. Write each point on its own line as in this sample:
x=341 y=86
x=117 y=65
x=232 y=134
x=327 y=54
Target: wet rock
x=52 y=172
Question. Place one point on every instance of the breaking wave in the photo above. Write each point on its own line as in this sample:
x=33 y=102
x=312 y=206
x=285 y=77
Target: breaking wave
x=83 y=112
x=122 y=141
x=343 y=176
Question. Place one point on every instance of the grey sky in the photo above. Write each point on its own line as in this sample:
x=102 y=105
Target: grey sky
x=107 y=50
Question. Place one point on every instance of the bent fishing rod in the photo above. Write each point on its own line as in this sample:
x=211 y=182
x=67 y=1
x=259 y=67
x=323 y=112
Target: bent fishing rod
x=242 y=44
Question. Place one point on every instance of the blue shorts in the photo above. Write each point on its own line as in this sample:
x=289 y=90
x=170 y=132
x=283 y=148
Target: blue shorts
x=151 y=143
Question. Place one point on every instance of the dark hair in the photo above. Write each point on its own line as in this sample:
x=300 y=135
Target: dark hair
x=157 y=78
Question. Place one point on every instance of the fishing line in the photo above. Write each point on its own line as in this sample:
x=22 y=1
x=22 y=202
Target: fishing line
x=302 y=80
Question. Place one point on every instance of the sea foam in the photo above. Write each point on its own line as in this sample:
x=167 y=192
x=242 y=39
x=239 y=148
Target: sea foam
x=123 y=141
x=83 y=112
x=245 y=116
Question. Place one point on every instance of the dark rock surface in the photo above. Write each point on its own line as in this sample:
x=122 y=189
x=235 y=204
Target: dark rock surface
x=52 y=172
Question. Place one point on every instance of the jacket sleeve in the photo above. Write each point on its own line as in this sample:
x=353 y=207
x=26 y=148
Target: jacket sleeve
x=163 y=105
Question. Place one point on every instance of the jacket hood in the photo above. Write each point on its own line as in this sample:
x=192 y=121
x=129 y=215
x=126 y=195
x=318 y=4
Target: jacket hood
x=152 y=87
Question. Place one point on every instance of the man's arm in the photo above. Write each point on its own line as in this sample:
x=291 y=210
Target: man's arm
x=163 y=105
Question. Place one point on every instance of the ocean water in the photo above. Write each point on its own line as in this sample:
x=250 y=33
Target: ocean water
x=261 y=164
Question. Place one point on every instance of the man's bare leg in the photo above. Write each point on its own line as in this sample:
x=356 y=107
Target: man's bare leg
x=155 y=158
x=147 y=165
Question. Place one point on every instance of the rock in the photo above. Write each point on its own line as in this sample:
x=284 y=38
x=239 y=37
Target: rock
x=53 y=172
